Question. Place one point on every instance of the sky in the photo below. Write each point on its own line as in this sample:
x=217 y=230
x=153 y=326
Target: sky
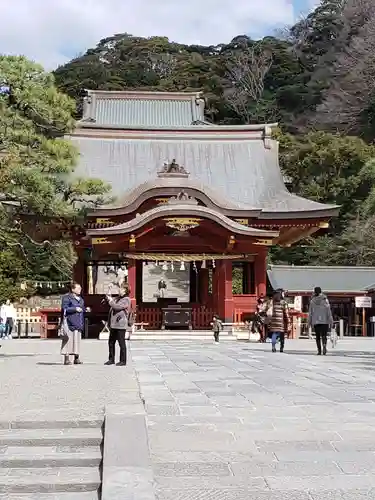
x=52 y=32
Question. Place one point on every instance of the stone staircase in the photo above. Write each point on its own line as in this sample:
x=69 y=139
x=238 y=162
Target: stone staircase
x=50 y=459
x=177 y=283
x=180 y=335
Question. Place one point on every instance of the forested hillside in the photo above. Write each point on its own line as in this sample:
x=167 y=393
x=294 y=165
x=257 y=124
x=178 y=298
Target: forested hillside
x=317 y=79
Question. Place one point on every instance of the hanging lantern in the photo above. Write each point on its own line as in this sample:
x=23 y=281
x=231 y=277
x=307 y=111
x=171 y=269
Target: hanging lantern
x=195 y=266
x=165 y=266
x=182 y=266
x=203 y=264
x=172 y=266
x=213 y=264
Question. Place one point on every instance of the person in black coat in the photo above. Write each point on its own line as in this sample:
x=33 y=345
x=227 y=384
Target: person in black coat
x=118 y=322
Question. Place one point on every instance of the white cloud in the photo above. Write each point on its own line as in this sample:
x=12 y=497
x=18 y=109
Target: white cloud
x=49 y=31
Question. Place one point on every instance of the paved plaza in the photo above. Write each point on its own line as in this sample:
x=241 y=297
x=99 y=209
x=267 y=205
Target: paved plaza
x=225 y=422
x=235 y=421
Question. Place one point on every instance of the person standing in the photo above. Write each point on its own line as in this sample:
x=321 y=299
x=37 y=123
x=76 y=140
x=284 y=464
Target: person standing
x=162 y=288
x=9 y=316
x=120 y=309
x=320 y=319
x=278 y=320
x=73 y=309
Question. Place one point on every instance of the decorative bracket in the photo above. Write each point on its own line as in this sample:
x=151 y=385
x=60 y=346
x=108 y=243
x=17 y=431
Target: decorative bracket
x=182 y=199
x=182 y=224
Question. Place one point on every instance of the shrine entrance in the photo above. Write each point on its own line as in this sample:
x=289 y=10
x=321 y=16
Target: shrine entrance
x=176 y=291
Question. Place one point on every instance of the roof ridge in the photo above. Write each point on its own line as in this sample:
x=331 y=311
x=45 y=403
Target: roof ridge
x=122 y=94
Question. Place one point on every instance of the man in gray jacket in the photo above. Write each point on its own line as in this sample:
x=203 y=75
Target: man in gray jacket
x=320 y=318
x=118 y=323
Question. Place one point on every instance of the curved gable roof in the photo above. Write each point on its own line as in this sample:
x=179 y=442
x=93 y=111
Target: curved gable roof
x=165 y=186
x=241 y=163
x=182 y=210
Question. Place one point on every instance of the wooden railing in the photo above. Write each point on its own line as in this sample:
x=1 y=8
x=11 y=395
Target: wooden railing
x=150 y=316
x=201 y=317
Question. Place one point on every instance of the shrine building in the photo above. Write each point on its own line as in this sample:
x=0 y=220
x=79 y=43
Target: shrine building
x=195 y=209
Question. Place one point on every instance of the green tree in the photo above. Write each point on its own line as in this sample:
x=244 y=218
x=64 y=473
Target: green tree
x=333 y=169
x=329 y=168
x=40 y=198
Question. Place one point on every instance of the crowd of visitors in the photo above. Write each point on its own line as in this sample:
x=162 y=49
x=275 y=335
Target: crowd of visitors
x=272 y=321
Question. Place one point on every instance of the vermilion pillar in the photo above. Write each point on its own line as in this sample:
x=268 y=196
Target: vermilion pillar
x=225 y=293
x=261 y=272
x=132 y=280
x=203 y=286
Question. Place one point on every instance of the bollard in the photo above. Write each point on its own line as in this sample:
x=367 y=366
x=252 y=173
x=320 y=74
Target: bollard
x=19 y=328
x=26 y=329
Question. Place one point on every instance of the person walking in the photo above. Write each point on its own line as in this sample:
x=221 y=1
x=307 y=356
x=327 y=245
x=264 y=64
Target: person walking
x=320 y=319
x=278 y=320
x=217 y=326
x=73 y=310
x=118 y=320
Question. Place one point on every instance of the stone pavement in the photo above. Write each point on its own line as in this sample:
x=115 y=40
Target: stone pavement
x=225 y=422
x=34 y=380
x=51 y=419
x=237 y=422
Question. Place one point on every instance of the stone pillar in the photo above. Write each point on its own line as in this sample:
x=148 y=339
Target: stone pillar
x=261 y=272
x=132 y=280
x=203 y=286
x=225 y=294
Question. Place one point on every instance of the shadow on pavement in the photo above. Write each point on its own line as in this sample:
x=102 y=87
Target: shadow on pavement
x=17 y=355
x=45 y=363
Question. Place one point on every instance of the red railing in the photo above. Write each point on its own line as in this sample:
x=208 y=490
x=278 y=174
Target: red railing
x=201 y=317
x=151 y=317
x=243 y=304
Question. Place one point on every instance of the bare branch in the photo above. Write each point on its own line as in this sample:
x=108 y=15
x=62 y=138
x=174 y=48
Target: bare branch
x=246 y=73
x=352 y=84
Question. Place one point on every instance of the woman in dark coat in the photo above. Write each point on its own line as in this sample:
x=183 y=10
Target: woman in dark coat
x=73 y=309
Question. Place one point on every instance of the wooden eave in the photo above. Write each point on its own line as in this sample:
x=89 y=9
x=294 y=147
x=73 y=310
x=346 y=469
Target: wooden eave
x=182 y=211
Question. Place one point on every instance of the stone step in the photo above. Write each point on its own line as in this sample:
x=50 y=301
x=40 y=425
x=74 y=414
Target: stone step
x=83 y=495
x=50 y=456
x=178 y=335
x=48 y=422
x=161 y=336
x=50 y=480
x=51 y=437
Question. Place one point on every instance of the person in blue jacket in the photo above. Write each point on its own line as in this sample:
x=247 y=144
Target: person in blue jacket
x=73 y=309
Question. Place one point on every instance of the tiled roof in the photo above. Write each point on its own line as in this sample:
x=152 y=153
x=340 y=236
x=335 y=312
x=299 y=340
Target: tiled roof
x=241 y=165
x=143 y=109
x=331 y=279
